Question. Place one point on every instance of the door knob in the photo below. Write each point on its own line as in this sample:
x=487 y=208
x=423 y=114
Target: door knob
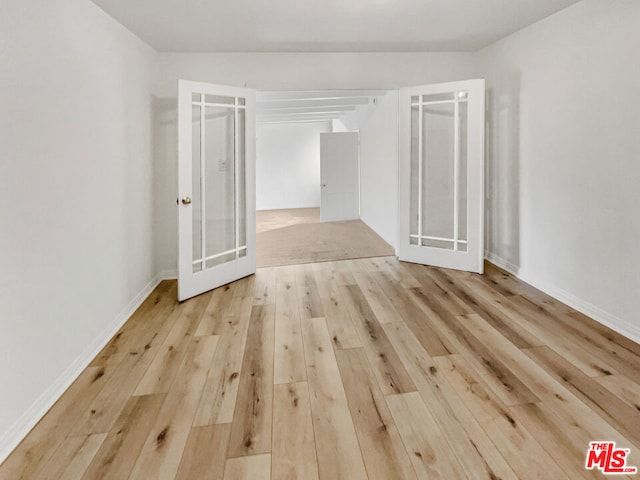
x=186 y=200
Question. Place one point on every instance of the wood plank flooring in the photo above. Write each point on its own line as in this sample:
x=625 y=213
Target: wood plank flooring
x=356 y=369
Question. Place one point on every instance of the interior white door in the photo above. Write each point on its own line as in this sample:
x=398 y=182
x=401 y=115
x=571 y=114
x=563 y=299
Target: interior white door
x=339 y=176
x=441 y=175
x=216 y=186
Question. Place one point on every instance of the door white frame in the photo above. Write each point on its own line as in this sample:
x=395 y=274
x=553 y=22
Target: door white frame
x=190 y=282
x=473 y=258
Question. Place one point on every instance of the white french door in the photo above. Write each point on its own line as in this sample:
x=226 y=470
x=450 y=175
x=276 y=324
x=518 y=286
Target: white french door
x=216 y=186
x=441 y=175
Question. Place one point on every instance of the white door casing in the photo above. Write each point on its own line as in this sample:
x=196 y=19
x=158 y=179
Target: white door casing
x=340 y=176
x=441 y=175
x=216 y=186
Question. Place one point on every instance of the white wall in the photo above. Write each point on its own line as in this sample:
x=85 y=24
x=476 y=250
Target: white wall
x=348 y=122
x=288 y=165
x=275 y=71
x=339 y=126
x=378 y=125
x=310 y=71
x=76 y=195
x=563 y=165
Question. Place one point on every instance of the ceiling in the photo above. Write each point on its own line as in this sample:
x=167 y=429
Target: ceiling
x=311 y=106
x=326 y=25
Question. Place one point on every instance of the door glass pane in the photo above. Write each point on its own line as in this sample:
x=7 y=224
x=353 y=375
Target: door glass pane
x=219 y=99
x=195 y=188
x=462 y=173
x=415 y=175
x=242 y=205
x=445 y=244
x=438 y=97
x=220 y=259
x=222 y=203
x=219 y=184
x=438 y=170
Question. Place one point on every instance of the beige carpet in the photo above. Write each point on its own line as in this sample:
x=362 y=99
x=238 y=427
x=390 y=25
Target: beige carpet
x=309 y=240
x=273 y=219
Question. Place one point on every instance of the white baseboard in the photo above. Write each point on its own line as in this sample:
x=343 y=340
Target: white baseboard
x=500 y=262
x=168 y=275
x=601 y=316
x=10 y=439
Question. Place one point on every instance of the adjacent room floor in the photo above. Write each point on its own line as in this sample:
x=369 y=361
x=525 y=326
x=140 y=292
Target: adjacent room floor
x=354 y=369
x=294 y=236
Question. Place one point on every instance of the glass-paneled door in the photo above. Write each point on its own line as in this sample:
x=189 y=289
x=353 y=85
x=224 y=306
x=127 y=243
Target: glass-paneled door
x=216 y=182
x=441 y=175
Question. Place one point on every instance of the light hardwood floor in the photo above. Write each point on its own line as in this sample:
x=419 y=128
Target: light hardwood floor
x=356 y=369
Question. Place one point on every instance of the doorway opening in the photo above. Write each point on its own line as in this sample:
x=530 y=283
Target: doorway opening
x=424 y=156
x=309 y=177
